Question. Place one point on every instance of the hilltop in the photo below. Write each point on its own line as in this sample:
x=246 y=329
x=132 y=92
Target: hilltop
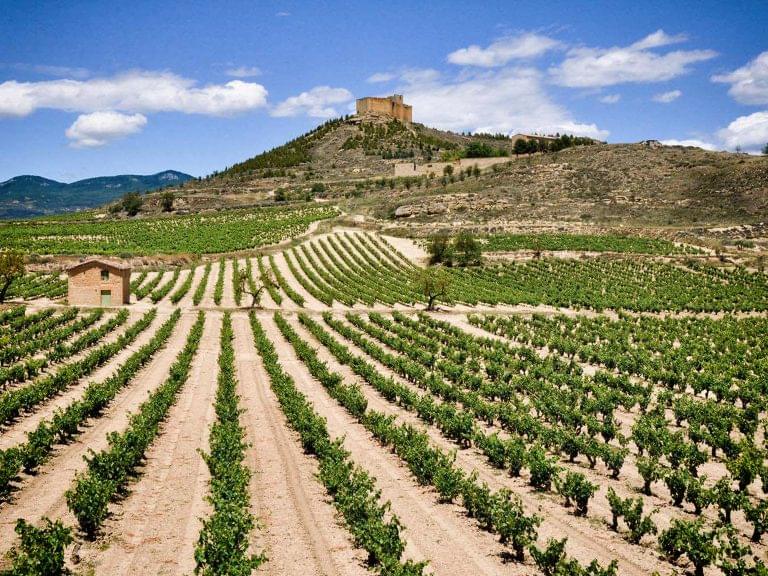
x=352 y=161
x=26 y=196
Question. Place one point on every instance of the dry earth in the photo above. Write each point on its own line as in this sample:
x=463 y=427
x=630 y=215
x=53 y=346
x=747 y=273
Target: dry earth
x=155 y=527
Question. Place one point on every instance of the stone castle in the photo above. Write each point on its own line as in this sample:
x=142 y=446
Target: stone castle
x=390 y=106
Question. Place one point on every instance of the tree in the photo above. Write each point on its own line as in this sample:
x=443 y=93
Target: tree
x=255 y=290
x=521 y=146
x=617 y=508
x=11 y=267
x=481 y=150
x=448 y=170
x=697 y=494
x=166 y=200
x=550 y=558
x=553 y=561
x=434 y=284
x=132 y=202
x=467 y=249
x=765 y=148
x=440 y=249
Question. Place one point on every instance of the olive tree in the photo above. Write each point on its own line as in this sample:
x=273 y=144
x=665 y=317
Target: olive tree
x=434 y=284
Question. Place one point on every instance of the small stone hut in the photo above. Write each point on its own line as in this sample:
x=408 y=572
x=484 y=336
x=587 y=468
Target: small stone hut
x=99 y=282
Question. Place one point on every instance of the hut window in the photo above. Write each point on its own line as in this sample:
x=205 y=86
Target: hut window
x=104 y=275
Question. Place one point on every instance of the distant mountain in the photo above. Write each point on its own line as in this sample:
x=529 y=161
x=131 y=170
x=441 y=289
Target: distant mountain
x=27 y=196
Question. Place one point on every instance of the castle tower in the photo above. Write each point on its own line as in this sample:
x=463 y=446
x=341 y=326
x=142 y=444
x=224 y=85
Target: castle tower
x=390 y=106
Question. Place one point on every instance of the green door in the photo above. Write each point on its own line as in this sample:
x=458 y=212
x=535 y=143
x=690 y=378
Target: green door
x=106 y=297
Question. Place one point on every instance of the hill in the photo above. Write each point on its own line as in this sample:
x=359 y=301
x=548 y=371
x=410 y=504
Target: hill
x=352 y=162
x=26 y=196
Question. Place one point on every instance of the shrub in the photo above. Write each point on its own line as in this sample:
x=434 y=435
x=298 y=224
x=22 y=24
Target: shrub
x=41 y=551
x=688 y=538
x=132 y=203
x=650 y=469
x=511 y=523
x=757 y=515
x=677 y=484
x=631 y=509
x=467 y=249
x=543 y=469
x=166 y=200
x=575 y=487
x=726 y=498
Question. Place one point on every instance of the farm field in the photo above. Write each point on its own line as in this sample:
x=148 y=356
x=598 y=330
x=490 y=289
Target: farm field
x=194 y=234
x=589 y=416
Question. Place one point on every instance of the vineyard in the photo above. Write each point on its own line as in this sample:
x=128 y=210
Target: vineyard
x=585 y=243
x=195 y=234
x=298 y=410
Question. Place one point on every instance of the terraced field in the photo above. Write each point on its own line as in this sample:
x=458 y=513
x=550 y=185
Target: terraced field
x=591 y=416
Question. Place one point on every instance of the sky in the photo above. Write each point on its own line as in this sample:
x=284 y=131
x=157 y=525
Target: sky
x=100 y=88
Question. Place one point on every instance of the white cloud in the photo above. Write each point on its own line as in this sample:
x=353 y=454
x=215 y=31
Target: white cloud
x=282 y=14
x=136 y=91
x=100 y=128
x=658 y=39
x=667 y=97
x=244 y=72
x=506 y=100
x=379 y=77
x=749 y=84
x=420 y=75
x=597 y=67
x=748 y=132
x=500 y=52
x=317 y=102
x=610 y=98
x=690 y=142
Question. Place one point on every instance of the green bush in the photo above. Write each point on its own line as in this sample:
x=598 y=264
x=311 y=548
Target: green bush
x=577 y=489
x=41 y=550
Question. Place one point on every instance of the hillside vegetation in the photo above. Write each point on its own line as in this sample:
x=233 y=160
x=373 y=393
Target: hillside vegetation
x=351 y=161
x=577 y=186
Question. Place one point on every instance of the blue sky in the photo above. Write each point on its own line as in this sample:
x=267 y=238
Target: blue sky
x=99 y=88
